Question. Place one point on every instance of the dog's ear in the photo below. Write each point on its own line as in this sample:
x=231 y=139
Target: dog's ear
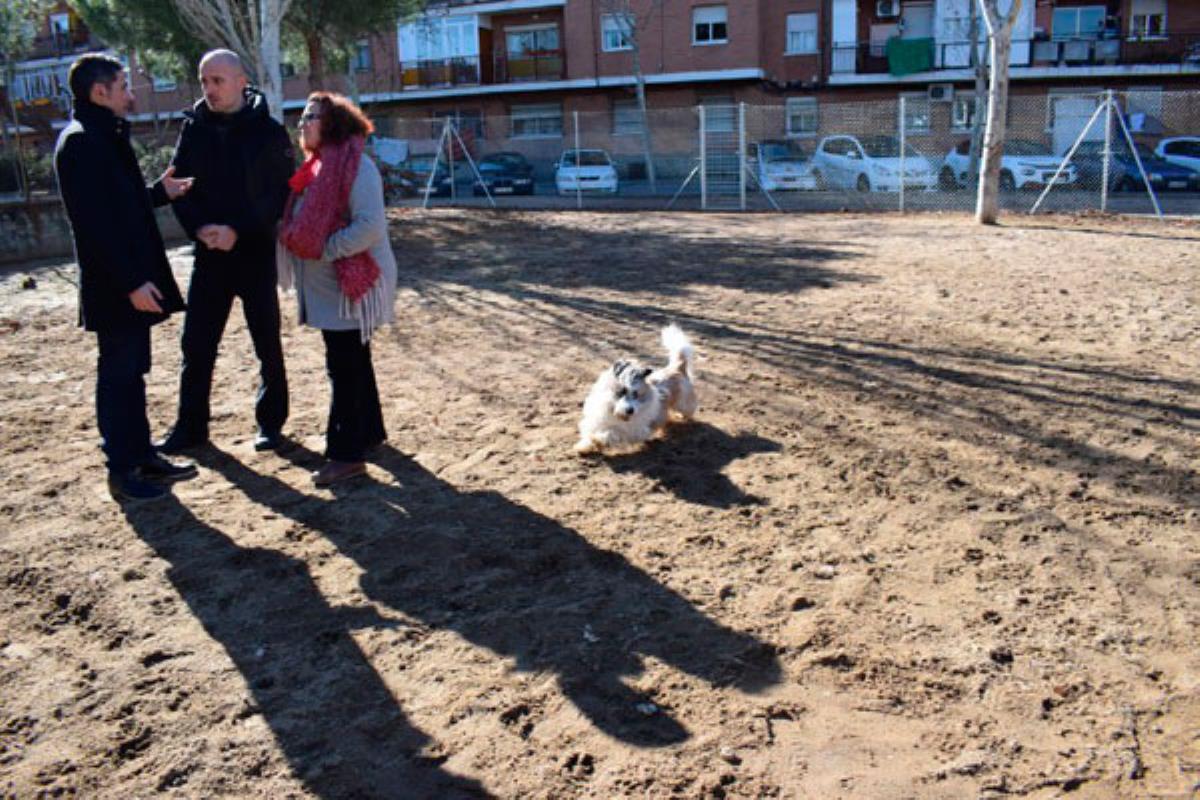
x=644 y=372
x=618 y=367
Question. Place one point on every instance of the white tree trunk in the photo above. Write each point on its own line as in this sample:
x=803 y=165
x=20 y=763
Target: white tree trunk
x=251 y=29
x=987 y=206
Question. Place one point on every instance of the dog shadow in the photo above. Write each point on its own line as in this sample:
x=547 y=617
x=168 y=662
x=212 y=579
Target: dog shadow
x=689 y=459
x=335 y=719
x=522 y=586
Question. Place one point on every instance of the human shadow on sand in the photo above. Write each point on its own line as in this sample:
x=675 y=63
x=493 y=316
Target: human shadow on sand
x=337 y=723
x=689 y=459
x=521 y=585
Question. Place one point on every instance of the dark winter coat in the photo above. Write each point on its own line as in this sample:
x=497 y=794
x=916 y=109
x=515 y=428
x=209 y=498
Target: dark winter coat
x=117 y=242
x=241 y=163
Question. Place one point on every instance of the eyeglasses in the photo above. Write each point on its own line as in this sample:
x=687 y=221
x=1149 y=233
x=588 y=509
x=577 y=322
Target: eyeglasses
x=310 y=117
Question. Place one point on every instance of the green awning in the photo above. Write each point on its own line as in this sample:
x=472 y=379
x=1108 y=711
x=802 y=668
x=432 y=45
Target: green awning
x=906 y=56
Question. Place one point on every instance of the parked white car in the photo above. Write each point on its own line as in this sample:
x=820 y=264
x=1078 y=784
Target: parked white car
x=1024 y=165
x=780 y=165
x=585 y=171
x=870 y=164
x=1183 y=151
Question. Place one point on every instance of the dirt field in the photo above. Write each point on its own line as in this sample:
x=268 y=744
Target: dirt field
x=934 y=535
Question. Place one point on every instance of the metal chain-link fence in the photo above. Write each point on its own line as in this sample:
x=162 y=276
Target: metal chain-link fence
x=1133 y=151
x=918 y=152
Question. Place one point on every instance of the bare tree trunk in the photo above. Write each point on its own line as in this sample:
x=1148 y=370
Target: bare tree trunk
x=647 y=135
x=316 y=61
x=987 y=206
x=979 y=67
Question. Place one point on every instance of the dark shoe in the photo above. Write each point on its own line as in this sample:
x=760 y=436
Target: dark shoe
x=178 y=441
x=157 y=468
x=338 y=471
x=268 y=440
x=127 y=487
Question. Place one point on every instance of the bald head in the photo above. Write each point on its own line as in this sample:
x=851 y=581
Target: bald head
x=225 y=57
x=223 y=79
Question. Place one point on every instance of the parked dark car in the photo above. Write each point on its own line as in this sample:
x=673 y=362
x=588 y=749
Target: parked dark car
x=504 y=173
x=1123 y=173
x=416 y=169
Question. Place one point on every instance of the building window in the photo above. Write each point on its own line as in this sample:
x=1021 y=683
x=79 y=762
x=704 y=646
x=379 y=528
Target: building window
x=1148 y=19
x=537 y=121
x=801 y=34
x=162 y=84
x=614 y=32
x=626 y=117
x=710 y=25
x=1085 y=22
x=916 y=113
x=802 y=116
x=361 y=60
x=964 y=112
x=720 y=114
x=435 y=38
x=287 y=70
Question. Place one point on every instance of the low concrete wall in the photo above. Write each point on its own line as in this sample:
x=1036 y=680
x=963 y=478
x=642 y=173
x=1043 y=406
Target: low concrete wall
x=40 y=229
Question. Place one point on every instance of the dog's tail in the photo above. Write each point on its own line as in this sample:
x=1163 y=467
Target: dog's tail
x=679 y=348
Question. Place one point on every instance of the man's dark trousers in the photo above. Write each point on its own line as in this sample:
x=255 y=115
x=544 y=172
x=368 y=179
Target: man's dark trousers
x=121 y=396
x=215 y=283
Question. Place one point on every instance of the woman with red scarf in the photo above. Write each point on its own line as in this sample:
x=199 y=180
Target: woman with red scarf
x=334 y=251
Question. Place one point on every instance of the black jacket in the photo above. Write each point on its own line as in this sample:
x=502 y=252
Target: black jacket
x=117 y=242
x=241 y=163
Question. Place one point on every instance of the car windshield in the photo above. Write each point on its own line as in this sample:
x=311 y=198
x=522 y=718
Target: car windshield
x=501 y=162
x=1020 y=147
x=773 y=152
x=887 y=147
x=586 y=158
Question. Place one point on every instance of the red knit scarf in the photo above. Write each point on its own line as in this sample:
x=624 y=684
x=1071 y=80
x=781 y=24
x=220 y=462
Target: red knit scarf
x=325 y=180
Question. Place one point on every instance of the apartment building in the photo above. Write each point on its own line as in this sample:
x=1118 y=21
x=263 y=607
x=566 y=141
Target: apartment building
x=536 y=62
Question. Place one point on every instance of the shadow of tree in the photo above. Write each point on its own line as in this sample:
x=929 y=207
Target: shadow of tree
x=522 y=586
x=337 y=723
x=689 y=460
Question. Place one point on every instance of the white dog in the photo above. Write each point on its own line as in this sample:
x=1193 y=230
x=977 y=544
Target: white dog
x=630 y=403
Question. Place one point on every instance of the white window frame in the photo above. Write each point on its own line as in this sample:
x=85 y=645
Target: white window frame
x=1059 y=94
x=707 y=16
x=60 y=23
x=727 y=121
x=610 y=24
x=917 y=100
x=626 y=117
x=802 y=107
x=801 y=35
x=428 y=39
x=532 y=112
x=1139 y=20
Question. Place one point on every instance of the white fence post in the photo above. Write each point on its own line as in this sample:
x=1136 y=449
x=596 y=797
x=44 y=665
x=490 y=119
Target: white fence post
x=703 y=161
x=1108 y=128
x=903 y=142
x=741 y=156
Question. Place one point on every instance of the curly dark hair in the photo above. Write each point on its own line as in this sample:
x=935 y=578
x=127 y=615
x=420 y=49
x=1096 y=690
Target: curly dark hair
x=340 y=117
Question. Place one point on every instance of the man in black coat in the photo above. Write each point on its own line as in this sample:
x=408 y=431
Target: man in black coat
x=125 y=283
x=241 y=160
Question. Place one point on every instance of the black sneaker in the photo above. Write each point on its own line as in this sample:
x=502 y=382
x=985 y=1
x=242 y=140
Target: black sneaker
x=178 y=441
x=157 y=468
x=127 y=487
x=268 y=440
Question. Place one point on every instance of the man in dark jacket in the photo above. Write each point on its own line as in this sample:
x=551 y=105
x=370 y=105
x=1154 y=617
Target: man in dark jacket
x=241 y=160
x=125 y=282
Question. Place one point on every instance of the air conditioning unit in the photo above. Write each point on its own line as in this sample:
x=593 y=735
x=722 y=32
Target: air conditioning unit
x=887 y=8
x=941 y=92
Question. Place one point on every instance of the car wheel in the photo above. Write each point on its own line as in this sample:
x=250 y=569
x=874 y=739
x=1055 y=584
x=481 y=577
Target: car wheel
x=1007 y=182
x=946 y=180
x=863 y=184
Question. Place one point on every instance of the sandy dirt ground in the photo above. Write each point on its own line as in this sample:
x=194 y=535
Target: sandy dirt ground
x=935 y=533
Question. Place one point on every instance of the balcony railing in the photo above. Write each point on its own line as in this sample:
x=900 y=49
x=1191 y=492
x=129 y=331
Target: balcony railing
x=440 y=72
x=863 y=58
x=542 y=65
